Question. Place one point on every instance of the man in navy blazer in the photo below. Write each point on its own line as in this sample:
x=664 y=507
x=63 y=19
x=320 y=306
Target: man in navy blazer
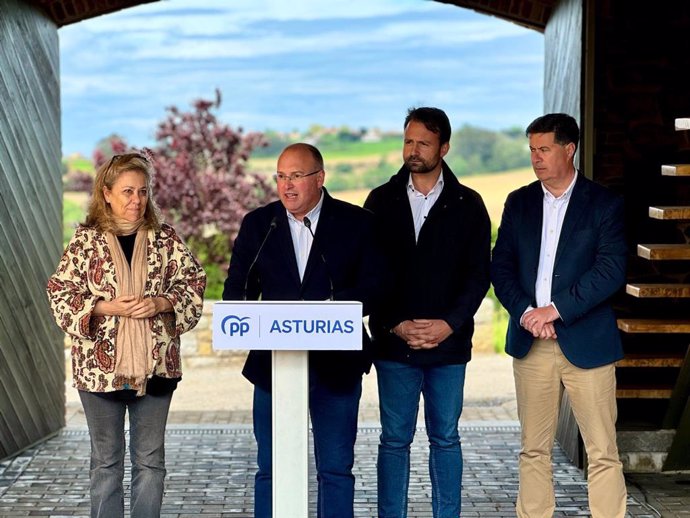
x=559 y=257
x=339 y=261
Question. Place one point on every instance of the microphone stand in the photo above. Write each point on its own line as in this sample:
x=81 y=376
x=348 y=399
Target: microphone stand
x=273 y=224
x=307 y=223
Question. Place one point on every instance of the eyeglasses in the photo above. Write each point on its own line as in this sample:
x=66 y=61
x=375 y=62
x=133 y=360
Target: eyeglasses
x=294 y=178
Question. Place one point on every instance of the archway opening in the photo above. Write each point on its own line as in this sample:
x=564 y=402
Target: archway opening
x=309 y=72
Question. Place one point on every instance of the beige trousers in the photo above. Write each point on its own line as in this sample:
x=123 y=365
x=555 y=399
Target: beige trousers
x=592 y=393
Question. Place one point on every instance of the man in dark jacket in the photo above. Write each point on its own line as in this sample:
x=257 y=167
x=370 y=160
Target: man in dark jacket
x=340 y=262
x=436 y=235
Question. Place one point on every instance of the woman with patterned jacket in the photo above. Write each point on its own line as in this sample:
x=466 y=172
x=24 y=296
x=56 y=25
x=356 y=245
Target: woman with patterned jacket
x=124 y=291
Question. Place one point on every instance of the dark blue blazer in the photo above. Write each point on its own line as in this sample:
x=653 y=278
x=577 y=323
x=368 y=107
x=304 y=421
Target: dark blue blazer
x=589 y=269
x=344 y=235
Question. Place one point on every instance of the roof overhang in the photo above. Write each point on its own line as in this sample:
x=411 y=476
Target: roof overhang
x=64 y=12
x=532 y=14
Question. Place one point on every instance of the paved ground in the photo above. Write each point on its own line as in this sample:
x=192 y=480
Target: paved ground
x=210 y=470
x=218 y=394
x=211 y=455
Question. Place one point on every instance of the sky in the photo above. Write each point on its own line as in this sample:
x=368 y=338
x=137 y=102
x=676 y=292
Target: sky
x=287 y=64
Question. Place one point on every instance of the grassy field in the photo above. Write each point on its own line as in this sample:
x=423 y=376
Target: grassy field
x=358 y=163
x=350 y=150
x=74 y=205
x=494 y=188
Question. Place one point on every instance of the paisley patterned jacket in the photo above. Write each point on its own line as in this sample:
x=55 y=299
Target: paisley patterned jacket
x=86 y=274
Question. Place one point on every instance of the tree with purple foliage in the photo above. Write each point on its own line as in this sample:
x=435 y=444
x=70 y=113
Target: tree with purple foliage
x=202 y=185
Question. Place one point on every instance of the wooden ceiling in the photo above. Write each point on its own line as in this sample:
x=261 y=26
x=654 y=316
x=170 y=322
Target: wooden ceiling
x=529 y=13
x=64 y=12
x=532 y=14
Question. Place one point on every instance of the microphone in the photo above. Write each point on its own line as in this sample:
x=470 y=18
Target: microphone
x=307 y=223
x=273 y=224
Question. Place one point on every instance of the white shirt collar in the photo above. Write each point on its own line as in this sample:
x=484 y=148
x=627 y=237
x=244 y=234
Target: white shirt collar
x=438 y=185
x=566 y=194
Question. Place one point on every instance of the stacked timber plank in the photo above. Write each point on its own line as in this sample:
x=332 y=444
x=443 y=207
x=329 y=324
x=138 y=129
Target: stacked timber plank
x=673 y=389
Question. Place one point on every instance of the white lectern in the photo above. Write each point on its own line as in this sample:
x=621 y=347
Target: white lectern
x=290 y=329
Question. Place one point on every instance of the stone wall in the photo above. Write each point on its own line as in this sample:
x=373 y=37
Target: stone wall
x=197 y=347
x=644 y=451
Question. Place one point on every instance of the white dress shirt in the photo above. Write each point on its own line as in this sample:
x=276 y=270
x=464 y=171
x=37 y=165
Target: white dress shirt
x=421 y=204
x=554 y=210
x=301 y=237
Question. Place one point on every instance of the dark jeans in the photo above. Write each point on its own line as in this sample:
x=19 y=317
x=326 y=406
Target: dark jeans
x=400 y=386
x=334 y=427
x=106 y=421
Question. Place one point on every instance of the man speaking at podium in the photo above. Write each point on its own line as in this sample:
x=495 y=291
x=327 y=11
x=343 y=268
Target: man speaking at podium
x=308 y=246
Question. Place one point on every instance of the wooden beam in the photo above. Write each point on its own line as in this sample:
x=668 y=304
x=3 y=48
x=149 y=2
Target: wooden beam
x=682 y=123
x=675 y=170
x=651 y=360
x=648 y=291
x=643 y=392
x=674 y=213
x=663 y=252
x=640 y=325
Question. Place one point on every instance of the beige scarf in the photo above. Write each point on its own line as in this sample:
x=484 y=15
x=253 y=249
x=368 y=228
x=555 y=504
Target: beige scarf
x=134 y=343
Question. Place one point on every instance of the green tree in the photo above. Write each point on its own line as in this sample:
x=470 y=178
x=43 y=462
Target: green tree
x=275 y=143
x=379 y=174
x=476 y=150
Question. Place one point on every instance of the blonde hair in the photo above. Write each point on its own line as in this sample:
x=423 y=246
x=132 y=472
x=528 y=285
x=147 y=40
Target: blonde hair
x=99 y=215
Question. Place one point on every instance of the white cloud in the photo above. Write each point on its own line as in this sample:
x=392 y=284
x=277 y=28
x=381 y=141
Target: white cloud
x=283 y=10
x=287 y=64
x=88 y=84
x=223 y=32
x=219 y=17
x=448 y=32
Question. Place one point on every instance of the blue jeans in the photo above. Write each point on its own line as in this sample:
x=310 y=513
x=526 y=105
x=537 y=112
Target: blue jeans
x=400 y=386
x=106 y=421
x=334 y=426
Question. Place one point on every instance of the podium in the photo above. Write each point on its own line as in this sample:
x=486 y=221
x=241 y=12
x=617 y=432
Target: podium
x=290 y=329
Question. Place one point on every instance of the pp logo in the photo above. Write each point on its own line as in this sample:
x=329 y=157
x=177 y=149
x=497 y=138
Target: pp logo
x=235 y=325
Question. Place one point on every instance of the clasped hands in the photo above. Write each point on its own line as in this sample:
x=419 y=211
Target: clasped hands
x=539 y=322
x=132 y=307
x=423 y=333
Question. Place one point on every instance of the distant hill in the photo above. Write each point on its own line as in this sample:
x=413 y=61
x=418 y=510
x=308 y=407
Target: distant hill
x=364 y=158
x=77 y=162
x=493 y=187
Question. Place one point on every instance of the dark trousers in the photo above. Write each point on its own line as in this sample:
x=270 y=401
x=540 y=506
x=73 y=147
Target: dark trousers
x=334 y=427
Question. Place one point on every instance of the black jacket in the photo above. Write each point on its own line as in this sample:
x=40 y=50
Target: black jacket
x=345 y=237
x=444 y=275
